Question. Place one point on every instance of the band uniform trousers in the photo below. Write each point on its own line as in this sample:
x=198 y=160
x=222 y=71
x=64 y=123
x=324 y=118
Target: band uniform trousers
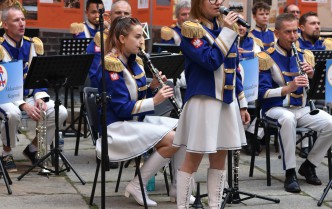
x=11 y=115
x=290 y=118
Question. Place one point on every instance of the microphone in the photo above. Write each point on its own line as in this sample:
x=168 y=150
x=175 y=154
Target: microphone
x=225 y=11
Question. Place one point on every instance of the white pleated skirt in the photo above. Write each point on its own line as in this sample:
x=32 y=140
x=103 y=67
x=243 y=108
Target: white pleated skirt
x=207 y=125
x=129 y=139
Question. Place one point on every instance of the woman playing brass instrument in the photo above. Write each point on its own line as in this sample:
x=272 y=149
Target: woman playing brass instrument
x=130 y=131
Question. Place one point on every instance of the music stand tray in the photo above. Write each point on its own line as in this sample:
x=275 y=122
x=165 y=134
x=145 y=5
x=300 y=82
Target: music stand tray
x=56 y=72
x=317 y=84
x=171 y=65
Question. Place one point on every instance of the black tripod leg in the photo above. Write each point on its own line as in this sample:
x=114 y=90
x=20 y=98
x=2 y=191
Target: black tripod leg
x=35 y=165
x=250 y=196
x=6 y=177
x=95 y=182
x=78 y=136
x=326 y=190
x=138 y=160
x=119 y=177
x=67 y=163
x=198 y=202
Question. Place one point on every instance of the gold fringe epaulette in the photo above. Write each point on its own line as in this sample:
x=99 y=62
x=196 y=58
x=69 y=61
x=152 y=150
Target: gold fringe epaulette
x=166 y=33
x=192 y=30
x=265 y=61
x=1 y=40
x=270 y=50
x=309 y=57
x=271 y=29
x=173 y=26
x=27 y=38
x=96 y=39
x=39 y=46
x=76 y=28
x=2 y=52
x=328 y=43
x=139 y=61
x=258 y=42
x=113 y=64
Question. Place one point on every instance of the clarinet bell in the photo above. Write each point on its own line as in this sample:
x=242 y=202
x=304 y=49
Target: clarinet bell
x=313 y=110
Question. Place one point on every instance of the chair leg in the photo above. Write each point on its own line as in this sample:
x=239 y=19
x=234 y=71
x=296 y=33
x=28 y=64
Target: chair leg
x=78 y=135
x=119 y=177
x=138 y=161
x=268 y=166
x=329 y=155
x=254 y=147
x=95 y=182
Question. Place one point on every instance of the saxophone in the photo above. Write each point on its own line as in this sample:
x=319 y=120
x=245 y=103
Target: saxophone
x=156 y=74
x=41 y=130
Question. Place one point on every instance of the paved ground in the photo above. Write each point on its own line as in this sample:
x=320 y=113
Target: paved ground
x=66 y=191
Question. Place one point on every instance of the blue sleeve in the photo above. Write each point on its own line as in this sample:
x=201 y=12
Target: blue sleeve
x=95 y=64
x=171 y=41
x=79 y=35
x=265 y=83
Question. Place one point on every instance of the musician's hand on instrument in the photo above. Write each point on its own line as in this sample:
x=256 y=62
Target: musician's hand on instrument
x=230 y=19
x=240 y=50
x=163 y=77
x=163 y=93
x=40 y=102
x=308 y=69
x=32 y=111
x=245 y=116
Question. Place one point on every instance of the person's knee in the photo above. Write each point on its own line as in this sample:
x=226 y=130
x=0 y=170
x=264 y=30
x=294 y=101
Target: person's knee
x=14 y=116
x=288 y=120
x=63 y=114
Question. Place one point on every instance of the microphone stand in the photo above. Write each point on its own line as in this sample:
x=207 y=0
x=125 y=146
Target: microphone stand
x=103 y=99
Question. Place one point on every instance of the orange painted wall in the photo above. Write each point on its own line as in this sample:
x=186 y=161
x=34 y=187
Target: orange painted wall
x=304 y=7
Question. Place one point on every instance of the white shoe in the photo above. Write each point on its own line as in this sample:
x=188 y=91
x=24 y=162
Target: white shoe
x=172 y=195
x=135 y=191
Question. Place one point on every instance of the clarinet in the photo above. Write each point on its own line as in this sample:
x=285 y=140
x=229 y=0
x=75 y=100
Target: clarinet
x=156 y=74
x=313 y=109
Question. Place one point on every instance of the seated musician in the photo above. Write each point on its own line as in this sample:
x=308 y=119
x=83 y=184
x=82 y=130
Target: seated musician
x=132 y=99
x=15 y=46
x=283 y=96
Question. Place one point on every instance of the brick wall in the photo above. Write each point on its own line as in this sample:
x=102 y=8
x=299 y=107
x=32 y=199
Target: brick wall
x=52 y=41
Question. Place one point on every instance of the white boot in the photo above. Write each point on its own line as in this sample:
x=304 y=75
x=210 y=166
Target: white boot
x=176 y=162
x=149 y=168
x=184 y=181
x=215 y=185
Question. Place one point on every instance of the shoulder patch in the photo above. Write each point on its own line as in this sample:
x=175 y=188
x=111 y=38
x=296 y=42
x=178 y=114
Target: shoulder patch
x=113 y=64
x=270 y=50
x=76 y=28
x=328 y=43
x=309 y=57
x=39 y=47
x=166 y=33
x=265 y=61
x=192 y=29
x=258 y=42
x=139 y=61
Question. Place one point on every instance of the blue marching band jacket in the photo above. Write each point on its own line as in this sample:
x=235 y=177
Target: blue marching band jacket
x=267 y=36
x=250 y=45
x=83 y=30
x=131 y=97
x=277 y=69
x=320 y=44
x=171 y=35
x=25 y=50
x=211 y=62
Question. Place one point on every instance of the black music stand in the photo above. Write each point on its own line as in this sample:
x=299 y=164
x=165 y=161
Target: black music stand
x=159 y=47
x=56 y=72
x=72 y=46
x=6 y=178
x=171 y=65
x=232 y=193
x=317 y=91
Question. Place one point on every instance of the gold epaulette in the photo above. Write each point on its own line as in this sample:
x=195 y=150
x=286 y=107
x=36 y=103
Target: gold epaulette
x=173 y=26
x=297 y=44
x=139 y=61
x=271 y=29
x=39 y=46
x=27 y=38
x=1 y=39
x=265 y=61
x=270 y=50
x=192 y=29
x=113 y=64
x=166 y=33
x=96 y=39
x=258 y=42
x=2 y=52
x=328 y=43
x=76 y=28
x=309 y=57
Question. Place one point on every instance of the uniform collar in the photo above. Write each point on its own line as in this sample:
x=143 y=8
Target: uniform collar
x=260 y=29
x=12 y=42
x=94 y=27
x=209 y=24
x=282 y=51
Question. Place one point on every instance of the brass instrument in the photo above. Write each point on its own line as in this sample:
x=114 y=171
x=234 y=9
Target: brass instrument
x=155 y=72
x=41 y=135
x=313 y=110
